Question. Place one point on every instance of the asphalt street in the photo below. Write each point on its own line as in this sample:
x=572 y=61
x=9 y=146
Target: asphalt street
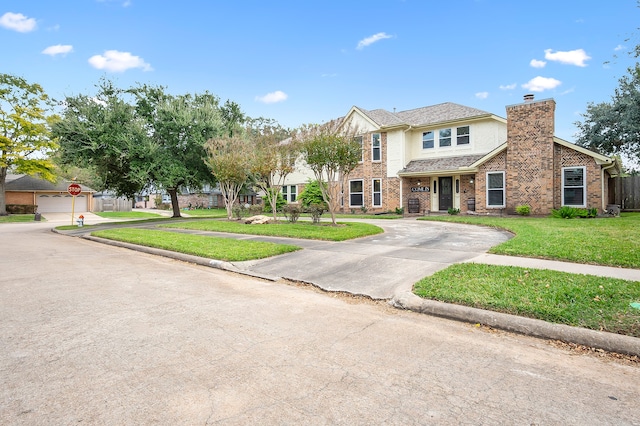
x=97 y=334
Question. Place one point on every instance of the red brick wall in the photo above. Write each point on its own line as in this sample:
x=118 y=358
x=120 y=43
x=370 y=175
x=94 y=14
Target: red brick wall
x=496 y=164
x=423 y=197
x=18 y=197
x=567 y=157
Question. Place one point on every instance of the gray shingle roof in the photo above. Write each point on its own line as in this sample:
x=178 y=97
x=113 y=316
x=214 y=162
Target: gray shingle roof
x=30 y=183
x=424 y=116
x=440 y=164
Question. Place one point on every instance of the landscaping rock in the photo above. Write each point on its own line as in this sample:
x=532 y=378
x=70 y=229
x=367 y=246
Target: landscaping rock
x=257 y=220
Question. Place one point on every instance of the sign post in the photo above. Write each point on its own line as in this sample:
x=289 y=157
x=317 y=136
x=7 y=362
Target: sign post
x=74 y=190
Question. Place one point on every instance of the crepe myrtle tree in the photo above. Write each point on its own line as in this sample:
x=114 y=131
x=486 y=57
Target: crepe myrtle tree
x=228 y=159
x=331 y=152
x=26 y=143
x=272 y=159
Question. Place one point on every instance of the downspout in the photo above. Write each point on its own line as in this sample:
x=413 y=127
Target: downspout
x=602 y=170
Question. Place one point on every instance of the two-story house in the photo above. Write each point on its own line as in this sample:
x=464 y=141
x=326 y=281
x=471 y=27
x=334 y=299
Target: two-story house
x=452 y=156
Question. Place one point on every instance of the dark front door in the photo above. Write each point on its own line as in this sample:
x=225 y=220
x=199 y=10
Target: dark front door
x=445 y=199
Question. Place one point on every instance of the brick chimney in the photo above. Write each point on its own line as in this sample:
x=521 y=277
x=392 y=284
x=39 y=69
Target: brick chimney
x=529 y=176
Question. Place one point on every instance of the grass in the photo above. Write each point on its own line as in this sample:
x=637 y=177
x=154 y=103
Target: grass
x=127 y=215
x=303 y=230
x=601 y=241
x=15 y=218
x=217 y=213
x=225 y=249
x=576 y=300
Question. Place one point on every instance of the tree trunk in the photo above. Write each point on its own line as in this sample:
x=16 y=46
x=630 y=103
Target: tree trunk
x=3 y=180
x=173 y=193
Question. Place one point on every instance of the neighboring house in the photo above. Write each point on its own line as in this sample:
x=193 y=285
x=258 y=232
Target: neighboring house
x=451 y=156
x=49 y=197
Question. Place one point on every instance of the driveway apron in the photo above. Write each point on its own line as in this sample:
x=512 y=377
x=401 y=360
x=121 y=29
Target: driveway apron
x=378 y=266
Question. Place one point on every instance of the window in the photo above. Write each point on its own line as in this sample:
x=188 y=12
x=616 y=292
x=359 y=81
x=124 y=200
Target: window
x=495 y=189
x=444 y=138
x=573 y=186
x=376 y=189
x=427 y=140
x=358 y=140
x=356 y=193
x=375 y=147
x=289 y=193
x=462 y=135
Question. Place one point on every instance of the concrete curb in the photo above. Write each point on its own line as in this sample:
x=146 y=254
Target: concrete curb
x=532 y=327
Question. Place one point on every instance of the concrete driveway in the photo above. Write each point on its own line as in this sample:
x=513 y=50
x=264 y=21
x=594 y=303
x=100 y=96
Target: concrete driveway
x=382 y=265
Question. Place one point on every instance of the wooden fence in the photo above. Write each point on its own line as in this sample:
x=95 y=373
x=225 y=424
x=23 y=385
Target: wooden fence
x=625 y=192
x=101 y=204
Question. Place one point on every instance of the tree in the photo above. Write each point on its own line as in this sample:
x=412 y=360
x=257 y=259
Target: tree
x=179 y=127
x=102 y=133
x=331 y=151
x=273 y=159
x=25 y=138
x=140 y=137
x=614 y=128
x=228 y=158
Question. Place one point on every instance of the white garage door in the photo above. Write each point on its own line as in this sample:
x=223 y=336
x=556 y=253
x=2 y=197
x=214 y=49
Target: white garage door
x=60 y=203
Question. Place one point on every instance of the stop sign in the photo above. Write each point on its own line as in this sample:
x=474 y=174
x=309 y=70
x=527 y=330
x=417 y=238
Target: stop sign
x=74 y=189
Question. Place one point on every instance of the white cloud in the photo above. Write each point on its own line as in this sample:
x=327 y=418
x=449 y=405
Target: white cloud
x=508 y=86
x=273 y=97
x=58 y=49
x=619 y=47
x=329 y=75
x=116 y=61
x=372 y=39
x=540 y=84
x=537 y=63
x=482 y=95
x=17 y=22
x=572 y=57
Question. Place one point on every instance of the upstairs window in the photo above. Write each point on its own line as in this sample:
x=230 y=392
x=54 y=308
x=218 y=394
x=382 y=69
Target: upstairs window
x=376 y=154
x=462 y=135
x=427 y=140
x=495 y=189
x=444 y=137
x=573 y=186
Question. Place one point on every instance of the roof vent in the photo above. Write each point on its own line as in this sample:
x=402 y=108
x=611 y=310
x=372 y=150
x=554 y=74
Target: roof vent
x=528 y=97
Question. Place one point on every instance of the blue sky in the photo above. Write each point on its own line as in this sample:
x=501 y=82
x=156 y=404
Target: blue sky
x=310 y=61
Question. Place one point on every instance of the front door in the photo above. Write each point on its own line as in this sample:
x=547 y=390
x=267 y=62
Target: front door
x=445 y=199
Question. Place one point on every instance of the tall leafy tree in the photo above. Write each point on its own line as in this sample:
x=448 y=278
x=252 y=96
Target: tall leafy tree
x=614 y=127
x=331 y=152
x=179 y=127
x=102 y=133
x=229 y=159
x=25 y=139
x=272 y=160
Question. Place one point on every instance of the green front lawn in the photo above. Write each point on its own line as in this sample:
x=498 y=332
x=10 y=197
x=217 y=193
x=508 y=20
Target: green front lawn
x=304 y=230
x=214 y=213
x=14 y=218
x=602 y=241
x=578 y=300
x=226 y=249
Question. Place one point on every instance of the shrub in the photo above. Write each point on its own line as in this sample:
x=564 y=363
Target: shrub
x=292 y=212
x=239 y=210
x=21 y=208
x=565 y=212
x=523 y=210
x=280 y=202
x=316 y=211
x=364 y=209
x=453 y=211
x=400 y=210
x=312 y=195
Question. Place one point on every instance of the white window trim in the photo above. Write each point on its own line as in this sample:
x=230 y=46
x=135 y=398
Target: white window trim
x=450 y=129
x=466 y=134
x=360 y=140
x=379 y=147
x=373 y=198
x=433 y=133
x=504 y=192
x=584 y=186
x=362 y=193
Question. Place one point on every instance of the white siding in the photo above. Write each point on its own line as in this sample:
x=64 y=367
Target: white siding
x=395 y=145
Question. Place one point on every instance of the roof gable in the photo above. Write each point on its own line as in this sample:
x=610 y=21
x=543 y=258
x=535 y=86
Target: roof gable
x=31 y=183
